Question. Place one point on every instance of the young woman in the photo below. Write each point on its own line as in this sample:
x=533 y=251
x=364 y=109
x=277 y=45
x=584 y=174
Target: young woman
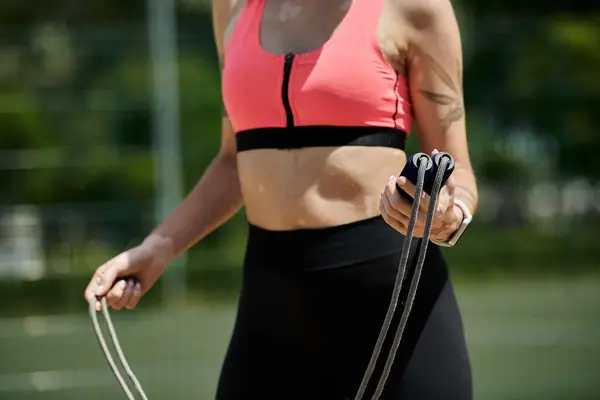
x=321 y=96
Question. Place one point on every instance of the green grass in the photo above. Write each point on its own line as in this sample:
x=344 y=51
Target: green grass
x=535 y=339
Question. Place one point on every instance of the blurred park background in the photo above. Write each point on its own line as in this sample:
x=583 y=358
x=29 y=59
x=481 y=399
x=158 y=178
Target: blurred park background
x=110 y=111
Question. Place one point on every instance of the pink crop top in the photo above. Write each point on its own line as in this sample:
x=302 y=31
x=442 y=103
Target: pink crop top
x=344 y=93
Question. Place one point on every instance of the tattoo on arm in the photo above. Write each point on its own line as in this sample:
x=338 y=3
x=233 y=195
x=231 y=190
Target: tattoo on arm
x=454 y=100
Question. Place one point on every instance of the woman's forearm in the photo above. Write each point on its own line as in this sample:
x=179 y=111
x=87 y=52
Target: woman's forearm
x=466 y=188
x=217 y=196
x=214 y=199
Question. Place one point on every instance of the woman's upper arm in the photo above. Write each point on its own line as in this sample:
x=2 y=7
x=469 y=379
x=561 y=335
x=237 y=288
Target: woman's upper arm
x=434 y=64
x=221 y=15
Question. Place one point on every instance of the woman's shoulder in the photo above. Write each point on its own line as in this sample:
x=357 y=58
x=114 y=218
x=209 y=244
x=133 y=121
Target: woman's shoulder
x=226 y=14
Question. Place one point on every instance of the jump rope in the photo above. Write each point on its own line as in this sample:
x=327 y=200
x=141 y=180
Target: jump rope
x=428 y=175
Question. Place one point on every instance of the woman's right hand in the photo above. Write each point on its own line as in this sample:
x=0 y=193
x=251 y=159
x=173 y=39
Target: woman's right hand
x=127 y=277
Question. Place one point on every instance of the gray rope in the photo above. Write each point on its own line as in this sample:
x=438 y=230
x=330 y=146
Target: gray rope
x=118 y=349
x=437 y=183
x=388 y=317
x=399 y=278
x=444 y=162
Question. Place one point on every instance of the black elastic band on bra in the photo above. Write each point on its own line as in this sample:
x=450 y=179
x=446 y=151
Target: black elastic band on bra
x=320 y=136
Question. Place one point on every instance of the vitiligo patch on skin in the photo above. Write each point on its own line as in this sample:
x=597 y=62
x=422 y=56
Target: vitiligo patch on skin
x=289 y=11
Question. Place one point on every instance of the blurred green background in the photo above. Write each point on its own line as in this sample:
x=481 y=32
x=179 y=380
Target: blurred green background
x=87 y=111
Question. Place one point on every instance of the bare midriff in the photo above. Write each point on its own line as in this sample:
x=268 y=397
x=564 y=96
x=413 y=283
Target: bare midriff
x=315 y=187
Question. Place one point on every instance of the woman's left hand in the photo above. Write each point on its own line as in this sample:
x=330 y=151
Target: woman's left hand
x=396 y=210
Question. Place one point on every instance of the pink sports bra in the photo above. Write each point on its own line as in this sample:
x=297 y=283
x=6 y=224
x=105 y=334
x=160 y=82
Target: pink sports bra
x=345 y=93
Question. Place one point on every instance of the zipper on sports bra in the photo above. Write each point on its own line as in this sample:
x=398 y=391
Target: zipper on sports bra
x=287 y=70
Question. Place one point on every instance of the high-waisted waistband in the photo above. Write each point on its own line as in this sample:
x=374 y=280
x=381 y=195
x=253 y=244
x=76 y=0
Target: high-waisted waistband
x=330 y=247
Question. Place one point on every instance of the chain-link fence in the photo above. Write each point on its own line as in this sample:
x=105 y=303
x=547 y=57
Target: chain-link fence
x=78 y=180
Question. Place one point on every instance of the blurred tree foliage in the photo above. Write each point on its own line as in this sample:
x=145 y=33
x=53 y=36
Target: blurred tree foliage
x=75 y=99
x=538 y=74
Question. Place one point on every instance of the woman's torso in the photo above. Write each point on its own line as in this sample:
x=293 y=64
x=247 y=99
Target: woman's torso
x=326 y=185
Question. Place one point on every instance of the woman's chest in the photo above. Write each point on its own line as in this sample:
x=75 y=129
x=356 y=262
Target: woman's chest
x=329 y=87
x=280 y=27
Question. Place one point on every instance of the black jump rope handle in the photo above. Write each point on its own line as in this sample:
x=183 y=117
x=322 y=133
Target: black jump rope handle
x=411 y=170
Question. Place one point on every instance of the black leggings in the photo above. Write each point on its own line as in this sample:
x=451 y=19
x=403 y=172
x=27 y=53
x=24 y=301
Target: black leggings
x=311 y=308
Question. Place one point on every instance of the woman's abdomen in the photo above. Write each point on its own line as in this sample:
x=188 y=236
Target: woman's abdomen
x=315 y=187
